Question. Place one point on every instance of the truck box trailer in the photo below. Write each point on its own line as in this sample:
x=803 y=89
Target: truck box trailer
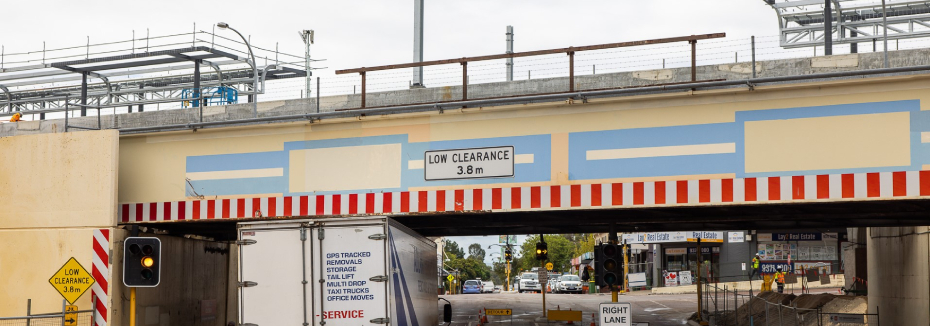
x=336 y=272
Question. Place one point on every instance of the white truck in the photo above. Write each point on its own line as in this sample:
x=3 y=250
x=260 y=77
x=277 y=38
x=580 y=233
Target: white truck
x=336 y=272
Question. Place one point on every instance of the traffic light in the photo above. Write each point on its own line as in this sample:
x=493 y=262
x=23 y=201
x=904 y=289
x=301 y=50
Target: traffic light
x=542 y=251
x=607 y=258
x=508 y=255
x=141 y=262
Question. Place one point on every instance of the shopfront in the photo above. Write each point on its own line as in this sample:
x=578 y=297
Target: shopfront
x=678 y=252
x=796 y=250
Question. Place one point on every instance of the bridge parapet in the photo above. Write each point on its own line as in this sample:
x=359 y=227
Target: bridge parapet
x=215 y=116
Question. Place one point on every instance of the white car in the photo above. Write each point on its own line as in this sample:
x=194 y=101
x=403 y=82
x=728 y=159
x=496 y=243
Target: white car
x=568 y=284
x=487 y=287
x=529 y=282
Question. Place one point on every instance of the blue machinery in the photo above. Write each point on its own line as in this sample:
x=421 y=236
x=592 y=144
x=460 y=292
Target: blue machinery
x=221 y=95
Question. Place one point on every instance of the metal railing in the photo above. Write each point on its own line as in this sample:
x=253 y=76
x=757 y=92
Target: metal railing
x=83 y=317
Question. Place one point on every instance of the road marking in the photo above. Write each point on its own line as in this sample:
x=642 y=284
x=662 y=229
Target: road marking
x=667 y=307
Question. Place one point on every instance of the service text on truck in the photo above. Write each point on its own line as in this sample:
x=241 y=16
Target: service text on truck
x=469 y=163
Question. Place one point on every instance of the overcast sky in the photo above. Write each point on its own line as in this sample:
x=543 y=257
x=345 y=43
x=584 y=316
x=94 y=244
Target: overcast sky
x=374 y=32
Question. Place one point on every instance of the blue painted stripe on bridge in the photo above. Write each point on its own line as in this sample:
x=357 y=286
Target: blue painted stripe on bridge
x=580 y=167
x=232 y=162
x=227 y=187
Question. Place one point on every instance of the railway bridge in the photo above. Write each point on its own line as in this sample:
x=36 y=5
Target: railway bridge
x=831 y=143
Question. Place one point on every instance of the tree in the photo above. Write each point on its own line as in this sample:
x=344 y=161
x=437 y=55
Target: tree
x=475 y=252
x=560 y=253
x=469 y=269
x=584 y=243
x=453 y=248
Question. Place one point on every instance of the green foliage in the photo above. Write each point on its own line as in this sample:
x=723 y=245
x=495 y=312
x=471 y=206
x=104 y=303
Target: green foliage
x=476 y=252
x=584 y=243
x=561 y=251
x=453 y=248
x=469 y=269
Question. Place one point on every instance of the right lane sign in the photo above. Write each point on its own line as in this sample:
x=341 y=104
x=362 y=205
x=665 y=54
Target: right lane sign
x=615 y=314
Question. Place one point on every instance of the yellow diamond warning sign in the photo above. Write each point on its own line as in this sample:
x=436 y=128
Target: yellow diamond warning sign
x=72 y=280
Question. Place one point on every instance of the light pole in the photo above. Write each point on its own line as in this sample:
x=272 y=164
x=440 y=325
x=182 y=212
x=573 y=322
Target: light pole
x=307 y=36
x=254 y=64
x=509 y=248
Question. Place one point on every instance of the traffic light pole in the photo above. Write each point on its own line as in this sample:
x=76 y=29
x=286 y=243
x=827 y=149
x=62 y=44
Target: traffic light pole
x=543 y=287
x=507 y=272
x=132 y=306
x=612 y=238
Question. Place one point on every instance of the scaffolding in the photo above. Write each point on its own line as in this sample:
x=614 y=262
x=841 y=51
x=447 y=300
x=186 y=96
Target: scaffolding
x=801 y=22
x=138 y=72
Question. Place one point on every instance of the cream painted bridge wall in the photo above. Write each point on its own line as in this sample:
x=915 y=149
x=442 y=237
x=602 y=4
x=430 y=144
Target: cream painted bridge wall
x=59 y=201
x=827 y=141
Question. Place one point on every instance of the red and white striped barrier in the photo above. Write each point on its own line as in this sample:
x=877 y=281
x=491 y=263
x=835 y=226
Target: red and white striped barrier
x=101 y=272
x=853 y=186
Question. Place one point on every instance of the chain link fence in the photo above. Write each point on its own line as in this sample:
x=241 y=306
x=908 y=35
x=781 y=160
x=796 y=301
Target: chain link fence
x=78 y=318
x=725 y=306
x=84 y=318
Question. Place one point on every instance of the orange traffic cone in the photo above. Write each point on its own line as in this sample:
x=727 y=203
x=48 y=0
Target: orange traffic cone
x=593 y=320
x=570 y=322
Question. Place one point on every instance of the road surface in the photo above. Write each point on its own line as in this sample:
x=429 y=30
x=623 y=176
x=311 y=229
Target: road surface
x=657 y=310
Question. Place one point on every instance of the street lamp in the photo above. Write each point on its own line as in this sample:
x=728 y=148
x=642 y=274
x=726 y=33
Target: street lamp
x=254 y=64
x=508 y=256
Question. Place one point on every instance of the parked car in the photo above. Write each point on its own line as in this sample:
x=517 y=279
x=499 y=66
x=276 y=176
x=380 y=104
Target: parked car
x=529 y=282
x=569 y=284
x=471 y=286
x=487 y=287
x=498 y=289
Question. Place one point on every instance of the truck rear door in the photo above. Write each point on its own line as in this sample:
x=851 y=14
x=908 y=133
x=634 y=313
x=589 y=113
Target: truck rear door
x=350 y=267
x=271 y=267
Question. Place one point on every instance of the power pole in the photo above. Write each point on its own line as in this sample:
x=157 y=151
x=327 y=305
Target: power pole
x=827 y=28
x=509 y=51
x=417 y=43
x=885 y=32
